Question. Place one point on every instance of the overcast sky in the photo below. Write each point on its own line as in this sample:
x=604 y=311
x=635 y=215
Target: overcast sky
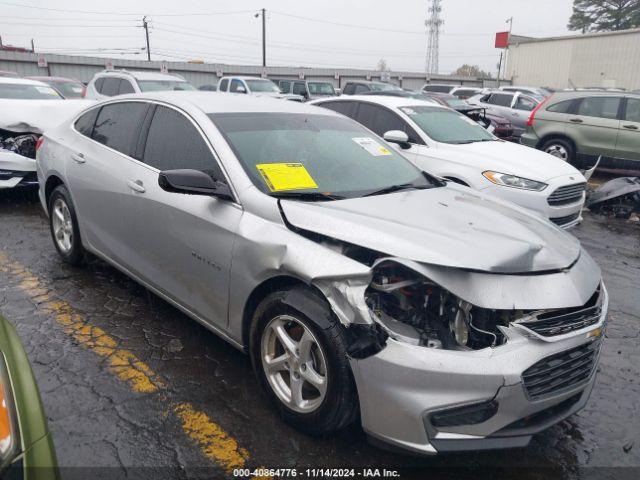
x=325 y=33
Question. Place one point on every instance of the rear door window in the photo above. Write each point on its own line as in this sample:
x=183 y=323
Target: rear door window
x=381 y=120
x=560 y=107
x=110 y=86
x=500 y=99
x=299 y=88
x=125 y=87
x=525 y=103
x=632 y=114
x=85 y=123
x=98 y=85
x=600 y=107
x=345 y=108
x=174 y=142
x=361 y=88
x=285 y=86
x=224 y=84
x=235 y=85
x=118 y=125
x=349 y=89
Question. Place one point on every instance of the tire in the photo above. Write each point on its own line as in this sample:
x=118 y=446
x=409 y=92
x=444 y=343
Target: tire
x=307 y=319
x=63 y=225
x=560 y=148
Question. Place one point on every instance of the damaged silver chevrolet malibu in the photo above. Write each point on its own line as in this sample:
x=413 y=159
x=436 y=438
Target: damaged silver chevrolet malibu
x=363 y=288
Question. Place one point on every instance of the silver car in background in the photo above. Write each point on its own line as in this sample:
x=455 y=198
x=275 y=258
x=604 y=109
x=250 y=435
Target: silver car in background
x=362 y=288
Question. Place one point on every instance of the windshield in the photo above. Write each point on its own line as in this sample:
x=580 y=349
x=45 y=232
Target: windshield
x=69 y=89
x=447 y=126
x=381 y=87
x=28 y=92
x=317 y=88
x=262 y=86
x=162 y=85
x=321 y=154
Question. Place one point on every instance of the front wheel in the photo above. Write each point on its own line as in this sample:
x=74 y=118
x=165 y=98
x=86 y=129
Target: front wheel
x=63 y=224
x=298 y=352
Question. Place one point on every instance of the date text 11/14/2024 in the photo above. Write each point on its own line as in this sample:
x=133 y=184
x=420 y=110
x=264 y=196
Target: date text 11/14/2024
x=315 y=473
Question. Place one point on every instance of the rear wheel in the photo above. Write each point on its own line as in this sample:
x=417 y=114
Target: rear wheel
x=560 y=148
x=298 y=352
x=63 y=224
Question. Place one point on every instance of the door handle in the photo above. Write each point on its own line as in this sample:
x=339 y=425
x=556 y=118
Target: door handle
x=630 y=127
x=78 y=158
x=576 y=120
x=136 y=186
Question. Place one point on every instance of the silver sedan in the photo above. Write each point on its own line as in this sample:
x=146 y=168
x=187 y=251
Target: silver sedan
x=363 y=288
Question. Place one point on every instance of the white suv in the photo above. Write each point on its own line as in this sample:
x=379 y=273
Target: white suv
x=257 y=86
x=110 y=83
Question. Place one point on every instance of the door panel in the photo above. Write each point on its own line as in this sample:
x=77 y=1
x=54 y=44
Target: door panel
x=628 y=145
x=184 y=242
x=98 y=173
x=594 y=127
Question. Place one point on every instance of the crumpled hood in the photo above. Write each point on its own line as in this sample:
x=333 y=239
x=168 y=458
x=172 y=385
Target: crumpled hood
x=510 y=158
x=450 y=226
x=37 y=116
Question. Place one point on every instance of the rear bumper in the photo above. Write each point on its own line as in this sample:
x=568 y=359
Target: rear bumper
x=405 y=389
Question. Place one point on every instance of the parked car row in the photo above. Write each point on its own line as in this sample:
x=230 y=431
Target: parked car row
x=348 y=269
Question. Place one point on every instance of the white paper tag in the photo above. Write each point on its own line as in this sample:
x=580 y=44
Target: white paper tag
x=371 y=146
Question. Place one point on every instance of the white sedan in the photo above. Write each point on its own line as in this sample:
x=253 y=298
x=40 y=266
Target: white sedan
x=446 y=143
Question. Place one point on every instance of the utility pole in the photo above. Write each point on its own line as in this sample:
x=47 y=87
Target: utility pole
x=263 y=12
x=433 y=23
x=33 y=48
x=506 y=50
x=146 y=31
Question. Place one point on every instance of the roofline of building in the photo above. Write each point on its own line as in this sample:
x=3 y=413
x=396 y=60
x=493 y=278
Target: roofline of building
x=520 y=39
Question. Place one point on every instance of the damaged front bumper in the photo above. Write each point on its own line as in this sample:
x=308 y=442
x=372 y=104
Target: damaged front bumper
x=431 y=400
x=16 y=170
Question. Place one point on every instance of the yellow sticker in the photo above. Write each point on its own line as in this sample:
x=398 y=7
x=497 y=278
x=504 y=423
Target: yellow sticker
x=286 y=176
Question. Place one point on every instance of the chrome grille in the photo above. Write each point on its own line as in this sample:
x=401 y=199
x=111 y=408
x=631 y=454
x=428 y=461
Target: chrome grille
x=562 y=371
x=567 y=194
x=566 y=320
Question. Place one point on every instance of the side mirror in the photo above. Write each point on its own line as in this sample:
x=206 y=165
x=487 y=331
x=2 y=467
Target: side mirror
x=399 y=137
x=241 y=89
x=338 y=92
x=193 y=182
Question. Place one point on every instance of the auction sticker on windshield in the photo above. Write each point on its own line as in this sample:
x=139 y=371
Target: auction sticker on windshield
x=371 y=146
x=286 y=176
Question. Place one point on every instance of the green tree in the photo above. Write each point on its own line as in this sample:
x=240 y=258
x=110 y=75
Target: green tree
x=604 y=15
x=471 y=71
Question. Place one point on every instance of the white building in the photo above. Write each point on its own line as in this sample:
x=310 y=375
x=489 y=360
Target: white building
x=609 y=59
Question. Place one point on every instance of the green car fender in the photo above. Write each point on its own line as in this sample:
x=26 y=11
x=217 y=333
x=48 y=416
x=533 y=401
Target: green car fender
x=35 y=453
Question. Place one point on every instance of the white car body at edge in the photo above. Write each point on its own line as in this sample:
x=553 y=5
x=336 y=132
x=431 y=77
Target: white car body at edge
x=467 y=162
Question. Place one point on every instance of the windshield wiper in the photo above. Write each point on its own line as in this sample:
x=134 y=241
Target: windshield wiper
x=307 y=196
x=398 y=188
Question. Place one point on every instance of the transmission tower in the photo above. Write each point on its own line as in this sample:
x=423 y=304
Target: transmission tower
x=433 y=23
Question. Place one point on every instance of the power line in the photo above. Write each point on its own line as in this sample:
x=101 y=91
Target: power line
x=93 y=12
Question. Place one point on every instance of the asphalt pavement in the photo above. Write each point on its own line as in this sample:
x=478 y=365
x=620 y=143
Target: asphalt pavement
x=135 y=389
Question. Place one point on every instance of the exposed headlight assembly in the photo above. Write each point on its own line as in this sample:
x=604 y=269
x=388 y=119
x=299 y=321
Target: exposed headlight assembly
x=513 y=181
x=8 y=424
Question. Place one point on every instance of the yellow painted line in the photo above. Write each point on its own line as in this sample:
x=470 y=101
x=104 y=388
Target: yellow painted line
x=213 y=441
x=216 y=444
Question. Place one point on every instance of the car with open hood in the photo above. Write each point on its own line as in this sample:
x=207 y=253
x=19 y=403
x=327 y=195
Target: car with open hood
x=451 y=145
x=356 y=282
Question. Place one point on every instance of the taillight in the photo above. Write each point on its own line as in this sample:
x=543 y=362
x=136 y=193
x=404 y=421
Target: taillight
x=534 y=111
x=84 y=91
x=39 y=143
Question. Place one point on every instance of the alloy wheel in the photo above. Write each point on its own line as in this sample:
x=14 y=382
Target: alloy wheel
x=558 y=151
x=62 y=225
x=294 y=364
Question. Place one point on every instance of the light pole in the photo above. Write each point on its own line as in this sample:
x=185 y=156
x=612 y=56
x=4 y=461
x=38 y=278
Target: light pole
x=263 y=12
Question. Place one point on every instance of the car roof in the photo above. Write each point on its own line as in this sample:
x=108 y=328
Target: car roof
x=389 y=101
x=54 y=79
x=22 y=81
x=140 y=75
x=220 y=102
x=369 y=82
x=247 y=77
x=591 y=93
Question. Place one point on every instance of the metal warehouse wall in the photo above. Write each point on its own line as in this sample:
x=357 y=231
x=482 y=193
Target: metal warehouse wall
x=83 y=68
x=594 y=60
